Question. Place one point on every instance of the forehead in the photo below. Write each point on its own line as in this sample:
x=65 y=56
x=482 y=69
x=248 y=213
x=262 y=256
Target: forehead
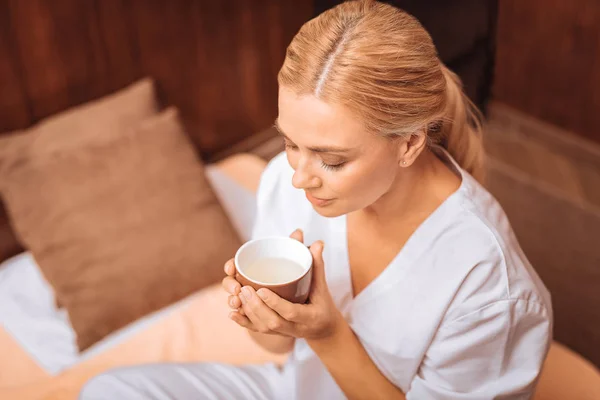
x=309 y=121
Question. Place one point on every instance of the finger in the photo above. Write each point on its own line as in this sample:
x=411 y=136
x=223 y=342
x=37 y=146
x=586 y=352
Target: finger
x=234 y=302
x=231 y=286
x=230 y=268
x=271 y=318
x=316 y=249
x=287 y=310
x=242 y=321
x=265 y=319
x=298 y=235
x=256 y=322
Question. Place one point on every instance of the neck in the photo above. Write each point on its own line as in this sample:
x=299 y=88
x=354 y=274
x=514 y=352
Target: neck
x=416 y=190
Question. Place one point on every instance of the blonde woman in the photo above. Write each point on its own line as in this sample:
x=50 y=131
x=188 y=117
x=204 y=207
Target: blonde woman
x=420 y=288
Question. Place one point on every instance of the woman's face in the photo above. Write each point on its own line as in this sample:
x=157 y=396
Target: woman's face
x=340 y=166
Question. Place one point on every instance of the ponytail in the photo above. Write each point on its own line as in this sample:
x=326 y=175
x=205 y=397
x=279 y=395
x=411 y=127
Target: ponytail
x=461 y=128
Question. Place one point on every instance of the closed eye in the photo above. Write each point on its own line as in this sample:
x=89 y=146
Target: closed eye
x=332 y=167
x=329 y=167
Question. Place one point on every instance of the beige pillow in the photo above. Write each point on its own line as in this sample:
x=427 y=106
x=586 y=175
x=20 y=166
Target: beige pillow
x=93 y=121
x=120 y=227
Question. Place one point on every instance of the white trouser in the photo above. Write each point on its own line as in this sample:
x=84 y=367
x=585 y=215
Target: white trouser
x=185 y=382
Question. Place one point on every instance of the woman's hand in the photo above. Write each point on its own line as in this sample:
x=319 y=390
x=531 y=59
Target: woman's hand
x=233 y=287
x=266 y=312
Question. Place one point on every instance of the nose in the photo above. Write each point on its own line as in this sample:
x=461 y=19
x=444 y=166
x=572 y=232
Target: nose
x=304 y=179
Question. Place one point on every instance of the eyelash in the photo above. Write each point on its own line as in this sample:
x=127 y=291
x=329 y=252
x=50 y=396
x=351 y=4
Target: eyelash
x=325 y=166
x=330 y=167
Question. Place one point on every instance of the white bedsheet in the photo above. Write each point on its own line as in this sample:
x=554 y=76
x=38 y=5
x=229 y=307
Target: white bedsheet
x=27 y=305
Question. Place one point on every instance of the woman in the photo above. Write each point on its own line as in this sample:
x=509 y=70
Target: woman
x=420 y=289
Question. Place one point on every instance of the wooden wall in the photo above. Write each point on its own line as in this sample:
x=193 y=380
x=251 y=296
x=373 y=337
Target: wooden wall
x=548 y=61
x=216 y=60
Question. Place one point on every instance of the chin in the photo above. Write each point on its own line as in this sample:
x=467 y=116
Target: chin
x=329 y=211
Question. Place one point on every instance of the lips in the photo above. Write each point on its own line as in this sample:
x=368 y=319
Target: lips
x=317 y=201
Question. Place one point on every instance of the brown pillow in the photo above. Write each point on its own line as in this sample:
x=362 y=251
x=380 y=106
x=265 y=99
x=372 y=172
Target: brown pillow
x=66 y=130
x=120 y=227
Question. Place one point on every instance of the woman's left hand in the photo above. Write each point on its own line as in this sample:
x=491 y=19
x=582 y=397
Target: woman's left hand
x=266 y=312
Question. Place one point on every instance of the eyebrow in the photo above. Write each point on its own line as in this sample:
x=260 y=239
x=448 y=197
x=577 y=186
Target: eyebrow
x=316 y=149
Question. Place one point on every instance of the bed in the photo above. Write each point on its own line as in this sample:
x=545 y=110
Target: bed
x=40 y=359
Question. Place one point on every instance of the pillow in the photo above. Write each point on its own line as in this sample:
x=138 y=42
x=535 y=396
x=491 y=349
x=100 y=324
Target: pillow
x=91 y=121
x=120 y=227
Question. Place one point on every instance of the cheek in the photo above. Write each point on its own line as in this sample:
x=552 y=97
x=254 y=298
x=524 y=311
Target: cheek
x=364 y=183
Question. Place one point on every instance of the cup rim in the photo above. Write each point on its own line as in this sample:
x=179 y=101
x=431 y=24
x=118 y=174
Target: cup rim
x=253 y=241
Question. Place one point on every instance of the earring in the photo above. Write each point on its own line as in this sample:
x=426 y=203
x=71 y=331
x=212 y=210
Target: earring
x=404 y=163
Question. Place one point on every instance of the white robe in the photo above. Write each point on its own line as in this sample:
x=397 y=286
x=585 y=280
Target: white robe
x=458 y=314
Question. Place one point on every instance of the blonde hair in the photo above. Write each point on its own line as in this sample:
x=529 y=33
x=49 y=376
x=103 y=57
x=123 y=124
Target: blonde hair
x=379 y=61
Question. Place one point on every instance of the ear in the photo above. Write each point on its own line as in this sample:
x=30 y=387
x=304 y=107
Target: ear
x=411 y=148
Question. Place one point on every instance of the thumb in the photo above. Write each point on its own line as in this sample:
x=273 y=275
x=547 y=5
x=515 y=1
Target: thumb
x=298 y=235
x=316 y=249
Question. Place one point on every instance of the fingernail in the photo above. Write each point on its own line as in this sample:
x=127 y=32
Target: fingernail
x=227 y=266
x=245 y=294
x=262 y=294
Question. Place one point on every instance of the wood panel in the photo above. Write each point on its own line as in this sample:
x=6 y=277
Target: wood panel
x=548 y=61
x=220 y=104
x=217 y=61
x=14 y=108
x=59 y=53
